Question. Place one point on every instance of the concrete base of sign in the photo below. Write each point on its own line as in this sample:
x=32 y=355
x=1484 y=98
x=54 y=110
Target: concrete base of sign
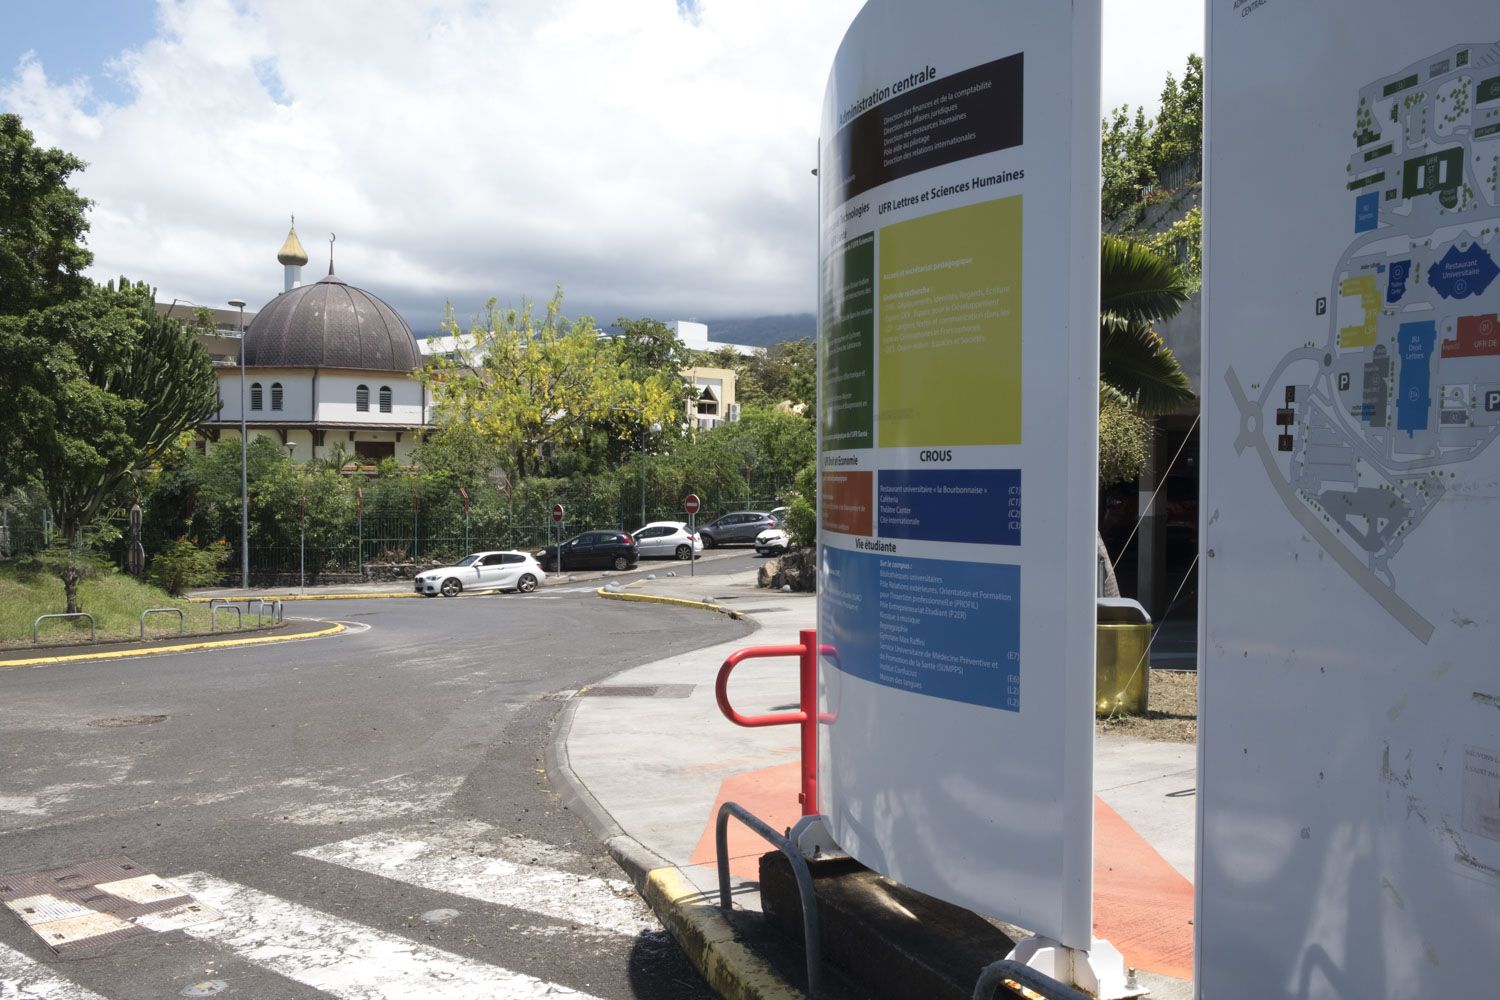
x=1100 y=971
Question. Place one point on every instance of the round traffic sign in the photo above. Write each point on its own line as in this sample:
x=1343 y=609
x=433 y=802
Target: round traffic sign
x=692 y=503
x=557 y=512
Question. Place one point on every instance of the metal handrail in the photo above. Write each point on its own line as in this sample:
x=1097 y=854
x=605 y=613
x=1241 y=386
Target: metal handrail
x=810 y=932
x=213 y=616
x=36 y=625
x=806 y=716
x=998 y=973
x=181 y=620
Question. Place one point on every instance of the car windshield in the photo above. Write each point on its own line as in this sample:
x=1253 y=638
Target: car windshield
x=468 y=560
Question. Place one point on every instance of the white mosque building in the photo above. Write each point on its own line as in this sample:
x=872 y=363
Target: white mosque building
x=326 y=364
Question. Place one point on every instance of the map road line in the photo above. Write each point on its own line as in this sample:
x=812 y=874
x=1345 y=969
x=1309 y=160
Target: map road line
x=1398 y=609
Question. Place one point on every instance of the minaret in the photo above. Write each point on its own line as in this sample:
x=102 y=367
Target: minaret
x=292 y=257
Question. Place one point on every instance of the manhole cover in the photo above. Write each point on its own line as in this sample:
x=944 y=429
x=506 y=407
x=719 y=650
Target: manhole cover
x=207 y=988
x=127 y=720
x=638 y=691
x=441 y=916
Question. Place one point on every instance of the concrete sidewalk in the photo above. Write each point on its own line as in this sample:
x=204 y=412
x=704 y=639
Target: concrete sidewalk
x=650 y=771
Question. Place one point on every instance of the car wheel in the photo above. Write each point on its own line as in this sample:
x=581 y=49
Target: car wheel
x=709 y=542
x=526 y=584
x=451 y=587
x=684 y=552
x=621 y=562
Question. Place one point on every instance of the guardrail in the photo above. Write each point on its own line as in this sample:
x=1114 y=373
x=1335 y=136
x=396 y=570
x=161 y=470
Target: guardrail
x=36 y=625
x=213 y=615
x=810 y=932
x=181 y=620
x=806 y=716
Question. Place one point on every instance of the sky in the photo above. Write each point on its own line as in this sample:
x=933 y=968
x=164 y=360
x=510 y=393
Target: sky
x=651 y=157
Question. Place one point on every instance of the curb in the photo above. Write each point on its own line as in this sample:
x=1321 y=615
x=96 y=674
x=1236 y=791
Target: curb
x=384 y=595
x=120 y=654
x=680 y=602
x=699 y=927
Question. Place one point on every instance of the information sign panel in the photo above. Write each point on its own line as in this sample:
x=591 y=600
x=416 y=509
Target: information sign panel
x=1349 y=830
x=958 y=404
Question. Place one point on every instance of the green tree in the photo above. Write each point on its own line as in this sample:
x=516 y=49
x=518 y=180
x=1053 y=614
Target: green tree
x=1138 y=151
x=100 y=386
x=773 y=444
x=649 y=346
x=534 y=385
x=1139 y=289
x=42 y=222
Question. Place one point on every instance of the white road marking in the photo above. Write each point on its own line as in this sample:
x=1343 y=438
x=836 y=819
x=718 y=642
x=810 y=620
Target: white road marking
x=346 y=959
x=473 y=860
x=23 y=979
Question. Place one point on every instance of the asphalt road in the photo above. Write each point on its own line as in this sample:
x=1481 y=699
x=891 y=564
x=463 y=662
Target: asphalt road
x=326 y=795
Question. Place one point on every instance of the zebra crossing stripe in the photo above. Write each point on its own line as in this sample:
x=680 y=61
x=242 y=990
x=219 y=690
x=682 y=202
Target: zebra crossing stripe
x=345 y=959
x=23 y=979
x=473 y=860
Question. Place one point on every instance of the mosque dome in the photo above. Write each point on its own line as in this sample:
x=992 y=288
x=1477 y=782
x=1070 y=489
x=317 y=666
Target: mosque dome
x=330 y=324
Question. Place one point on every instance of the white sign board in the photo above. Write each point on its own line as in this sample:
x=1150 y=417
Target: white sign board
x=958 y=397
x=1349 y=785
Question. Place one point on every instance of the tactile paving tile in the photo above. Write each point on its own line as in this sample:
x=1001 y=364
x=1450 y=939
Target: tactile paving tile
x=98 y=903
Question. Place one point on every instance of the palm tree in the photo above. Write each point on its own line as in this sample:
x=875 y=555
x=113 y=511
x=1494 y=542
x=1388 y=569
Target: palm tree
x=1138 y=289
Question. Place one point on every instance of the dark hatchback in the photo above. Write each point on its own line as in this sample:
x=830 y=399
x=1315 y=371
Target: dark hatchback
x=592 y=550
x=740 y=527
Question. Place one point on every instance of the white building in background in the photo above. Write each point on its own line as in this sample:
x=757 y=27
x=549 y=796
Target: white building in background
x=326 y=365
x=694 y=336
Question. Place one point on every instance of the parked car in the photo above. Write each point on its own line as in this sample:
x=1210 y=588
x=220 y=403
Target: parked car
x=742 y=527
x=667 y=540
x=482 y=571
x=592 y=550
x=772 y=542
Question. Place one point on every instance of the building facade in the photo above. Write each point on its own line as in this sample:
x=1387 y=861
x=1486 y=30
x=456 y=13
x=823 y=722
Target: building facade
x=329 y=372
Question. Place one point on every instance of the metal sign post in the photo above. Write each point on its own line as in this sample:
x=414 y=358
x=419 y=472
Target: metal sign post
x=692 y=504
x=557 y=519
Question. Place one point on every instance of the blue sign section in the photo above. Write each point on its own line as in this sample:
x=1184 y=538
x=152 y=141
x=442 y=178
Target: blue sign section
x=942 y=629
x=1462 y=273
x=1395 y=285
x=1414 y=342
x=950 y=505
x=1367 y=212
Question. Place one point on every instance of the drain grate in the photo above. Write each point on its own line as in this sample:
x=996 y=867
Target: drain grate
x=128 y=720
x=638 y=691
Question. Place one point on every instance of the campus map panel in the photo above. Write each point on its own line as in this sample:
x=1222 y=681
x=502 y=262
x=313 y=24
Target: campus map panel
x=1365 y=432
x=1349 y=691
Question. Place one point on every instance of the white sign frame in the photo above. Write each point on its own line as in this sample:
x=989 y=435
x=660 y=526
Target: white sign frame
x=987 y=807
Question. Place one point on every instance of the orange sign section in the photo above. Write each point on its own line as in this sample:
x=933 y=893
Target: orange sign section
x=849 y=502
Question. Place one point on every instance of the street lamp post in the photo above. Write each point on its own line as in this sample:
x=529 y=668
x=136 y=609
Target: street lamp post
x=654 y=429
x=244 y=461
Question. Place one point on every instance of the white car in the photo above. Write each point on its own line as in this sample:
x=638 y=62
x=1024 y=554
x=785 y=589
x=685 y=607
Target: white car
x=667 y=540
x=772 y=542
x=483 y=571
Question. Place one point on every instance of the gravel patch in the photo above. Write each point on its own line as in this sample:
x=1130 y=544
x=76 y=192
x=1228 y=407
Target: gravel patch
x=1171 y=711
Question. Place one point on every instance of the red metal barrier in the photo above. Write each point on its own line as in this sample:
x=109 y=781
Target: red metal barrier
x=807 y=716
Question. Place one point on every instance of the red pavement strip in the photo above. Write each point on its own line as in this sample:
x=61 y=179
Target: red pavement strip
x=1141 y=904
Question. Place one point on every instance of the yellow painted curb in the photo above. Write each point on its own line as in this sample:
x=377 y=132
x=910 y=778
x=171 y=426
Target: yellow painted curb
x=680 y=602
x=731 y=969
x=306 y=597
x=118 y=654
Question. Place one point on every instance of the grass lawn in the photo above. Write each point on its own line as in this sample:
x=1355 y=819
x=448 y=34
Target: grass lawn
x=116 y=601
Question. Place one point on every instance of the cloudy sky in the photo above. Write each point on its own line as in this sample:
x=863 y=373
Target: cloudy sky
x=650 y=156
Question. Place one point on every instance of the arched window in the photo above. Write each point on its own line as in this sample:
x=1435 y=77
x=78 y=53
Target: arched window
x=255 y=396
x=385 y=399
x=362 y=398
x=275 y=395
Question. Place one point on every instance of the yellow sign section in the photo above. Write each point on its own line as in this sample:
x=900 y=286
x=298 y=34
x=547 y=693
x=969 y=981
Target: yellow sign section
x=950 y=328
x=1362 y=287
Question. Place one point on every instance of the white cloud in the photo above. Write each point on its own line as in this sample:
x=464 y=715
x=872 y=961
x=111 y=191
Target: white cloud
x=651 y=156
